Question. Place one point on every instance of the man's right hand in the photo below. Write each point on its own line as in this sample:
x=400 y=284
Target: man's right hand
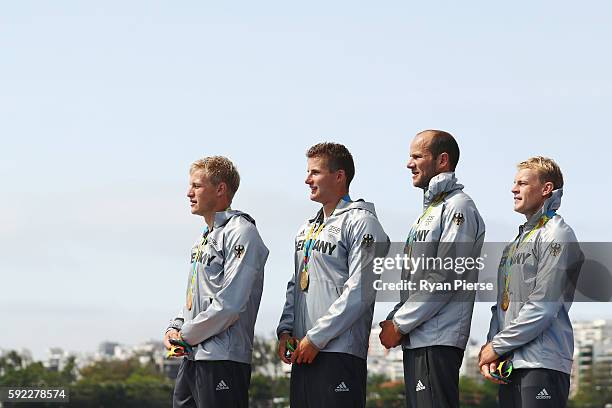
x=282 y=347
x=389 y=335
x=171 y=334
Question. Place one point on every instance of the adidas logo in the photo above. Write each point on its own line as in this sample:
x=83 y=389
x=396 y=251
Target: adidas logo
x=420 y=386
x=222 y=386
x=342 y=387
x=543 y=395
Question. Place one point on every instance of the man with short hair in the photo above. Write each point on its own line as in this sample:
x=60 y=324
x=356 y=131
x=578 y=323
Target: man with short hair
x=224 y=289
x=330 y=297
x=537 y=274
x=433 y=327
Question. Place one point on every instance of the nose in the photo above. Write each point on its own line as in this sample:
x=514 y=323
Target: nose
x=515 y=189
x=411 y=164
x=190 y=192
x=308 y=180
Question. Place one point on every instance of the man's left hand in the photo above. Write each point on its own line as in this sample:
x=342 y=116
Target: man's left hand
x=305 y=352
x=487 y=355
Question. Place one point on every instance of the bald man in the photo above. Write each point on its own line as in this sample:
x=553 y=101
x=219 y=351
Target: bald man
x=433 y=327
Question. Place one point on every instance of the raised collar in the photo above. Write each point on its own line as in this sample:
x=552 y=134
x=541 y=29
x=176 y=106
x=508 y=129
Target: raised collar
x=222 y=217
x=442 y=183
x=551 y=205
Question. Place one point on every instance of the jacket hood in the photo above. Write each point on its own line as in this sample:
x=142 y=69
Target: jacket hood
x=552 y=203
x=442 y=183
x=223 y=217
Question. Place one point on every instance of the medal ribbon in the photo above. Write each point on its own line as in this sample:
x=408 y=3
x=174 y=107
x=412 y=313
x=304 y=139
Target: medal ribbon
x=309 y=242
x=516 y=245
x=412 y=233
x=201 y=246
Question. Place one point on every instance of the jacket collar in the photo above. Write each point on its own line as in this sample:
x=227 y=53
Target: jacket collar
x=442 y=183
x=222 y=217
x=343 y=204
x=551 y=204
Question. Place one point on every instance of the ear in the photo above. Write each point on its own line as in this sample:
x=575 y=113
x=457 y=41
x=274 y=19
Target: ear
x=341 y=176
x=443 y=162
x=221 y=189
x=548 y=188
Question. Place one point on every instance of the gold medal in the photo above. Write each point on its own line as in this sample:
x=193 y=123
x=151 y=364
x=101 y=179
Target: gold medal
x=189 y=299
x=518 y=241
x=505 y=301
x=304 y=280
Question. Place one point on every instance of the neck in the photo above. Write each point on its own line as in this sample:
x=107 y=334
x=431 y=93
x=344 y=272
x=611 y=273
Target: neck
x=330 y=206
x=425 y=185
x=530 y=214
x=209 y=216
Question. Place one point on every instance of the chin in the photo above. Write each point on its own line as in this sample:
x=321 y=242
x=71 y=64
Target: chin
x=420 y=182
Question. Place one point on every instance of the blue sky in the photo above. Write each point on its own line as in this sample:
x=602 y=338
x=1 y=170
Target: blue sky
x=104 y=106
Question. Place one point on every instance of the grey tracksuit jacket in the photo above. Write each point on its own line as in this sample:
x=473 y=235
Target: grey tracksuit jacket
x=335 y=313
x=536 y=330
x=228 y=288
x=452 y=229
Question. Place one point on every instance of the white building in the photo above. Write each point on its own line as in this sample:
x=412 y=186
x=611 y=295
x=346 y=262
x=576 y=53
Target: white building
x=56 y=359
x=592 y=365
x=469 y=365
x=382 y=361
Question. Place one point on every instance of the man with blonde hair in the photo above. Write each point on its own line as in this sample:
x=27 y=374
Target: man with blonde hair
x=224 y=290
x=530 y=327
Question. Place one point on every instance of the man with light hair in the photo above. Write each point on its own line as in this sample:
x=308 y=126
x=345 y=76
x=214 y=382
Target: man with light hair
x=224 y=288
x=530 y=325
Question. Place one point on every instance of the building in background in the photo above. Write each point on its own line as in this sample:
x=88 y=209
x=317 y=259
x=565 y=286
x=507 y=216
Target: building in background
x=382 y=361
x=469 y=366
x=592 y=367
x=389 y=363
